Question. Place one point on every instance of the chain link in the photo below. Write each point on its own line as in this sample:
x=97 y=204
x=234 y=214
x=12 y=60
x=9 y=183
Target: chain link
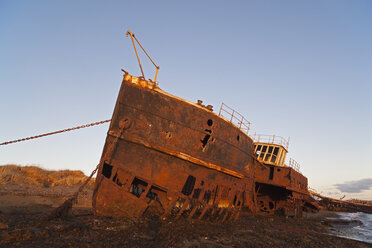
x=56 y=132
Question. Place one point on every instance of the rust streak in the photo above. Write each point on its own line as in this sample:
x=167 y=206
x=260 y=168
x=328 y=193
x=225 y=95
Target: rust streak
x=182 y=156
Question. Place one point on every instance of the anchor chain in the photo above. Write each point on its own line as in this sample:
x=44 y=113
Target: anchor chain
x=55 y=132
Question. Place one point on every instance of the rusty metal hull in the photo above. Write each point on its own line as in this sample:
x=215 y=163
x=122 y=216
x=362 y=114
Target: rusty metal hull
x=284 y=189
x=165 y=152
x=332 y=204
x=164 y=155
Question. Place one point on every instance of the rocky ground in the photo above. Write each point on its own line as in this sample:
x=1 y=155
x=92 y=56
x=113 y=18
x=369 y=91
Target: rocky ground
x=24 y=211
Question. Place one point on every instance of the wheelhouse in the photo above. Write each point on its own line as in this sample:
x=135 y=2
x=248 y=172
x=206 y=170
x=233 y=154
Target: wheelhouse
x=270 y=149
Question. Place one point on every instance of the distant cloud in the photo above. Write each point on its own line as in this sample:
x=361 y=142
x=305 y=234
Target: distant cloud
x=355 y=186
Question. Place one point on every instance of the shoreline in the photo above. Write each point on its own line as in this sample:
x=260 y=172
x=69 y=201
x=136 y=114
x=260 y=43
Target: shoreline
x=351 y=225
x=28 y=226
x=25 y=207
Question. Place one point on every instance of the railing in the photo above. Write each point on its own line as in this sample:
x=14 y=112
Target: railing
x=235 y=118
x=271 y=139
x=294 y=164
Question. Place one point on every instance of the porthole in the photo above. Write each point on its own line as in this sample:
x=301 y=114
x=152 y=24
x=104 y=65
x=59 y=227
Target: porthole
x=210 y=122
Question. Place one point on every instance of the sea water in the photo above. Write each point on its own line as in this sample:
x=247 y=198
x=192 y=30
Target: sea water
x=361 y=231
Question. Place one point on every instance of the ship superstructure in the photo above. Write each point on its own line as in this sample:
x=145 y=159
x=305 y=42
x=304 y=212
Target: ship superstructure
x=171 y=157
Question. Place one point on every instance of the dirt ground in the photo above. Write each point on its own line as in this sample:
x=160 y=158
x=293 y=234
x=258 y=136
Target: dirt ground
x=25 y=224
x=29 y=194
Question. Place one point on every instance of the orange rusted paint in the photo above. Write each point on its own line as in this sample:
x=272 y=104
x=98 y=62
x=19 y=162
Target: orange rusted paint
x=168 y=156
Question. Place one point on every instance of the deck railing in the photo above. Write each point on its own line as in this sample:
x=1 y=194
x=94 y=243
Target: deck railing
x=271 y=139
x=235 y=118
x=294 y=165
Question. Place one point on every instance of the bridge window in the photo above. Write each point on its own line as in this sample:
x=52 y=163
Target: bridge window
x=270 y=149
x=275 y=154
x=263 y=151
x=258 y=149
x=267 y=153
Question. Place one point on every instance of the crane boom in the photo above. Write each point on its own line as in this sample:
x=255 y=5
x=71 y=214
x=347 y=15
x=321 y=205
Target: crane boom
x=133 y=37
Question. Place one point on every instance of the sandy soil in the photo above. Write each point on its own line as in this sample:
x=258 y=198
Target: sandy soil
x=24 y=213
x=29 y=194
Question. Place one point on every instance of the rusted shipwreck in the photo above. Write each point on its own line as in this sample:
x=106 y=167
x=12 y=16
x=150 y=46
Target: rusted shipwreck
x=338 y=205
x=172 y=157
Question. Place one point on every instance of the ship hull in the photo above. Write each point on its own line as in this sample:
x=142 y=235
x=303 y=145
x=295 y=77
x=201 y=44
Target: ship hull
x=170 y=156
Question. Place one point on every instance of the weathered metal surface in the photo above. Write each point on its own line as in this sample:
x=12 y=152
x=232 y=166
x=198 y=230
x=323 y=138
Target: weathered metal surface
x=340 y=205
x=180 y=155
x=281 y=188
x=167 y=156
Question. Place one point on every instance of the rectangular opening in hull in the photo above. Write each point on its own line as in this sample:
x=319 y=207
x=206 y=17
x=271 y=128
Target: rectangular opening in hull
x=207 y=196
x=106 y=170
x=138 y=187
x=189 y=185
x=156 y=194
x=196 y=193
x=271 y=176
x=121 y=178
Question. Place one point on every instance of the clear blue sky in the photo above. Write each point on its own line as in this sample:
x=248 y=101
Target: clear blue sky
x=293 y=68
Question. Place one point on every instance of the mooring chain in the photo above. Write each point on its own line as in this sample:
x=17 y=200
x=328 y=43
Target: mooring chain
x=64 y=209
x=56 y=132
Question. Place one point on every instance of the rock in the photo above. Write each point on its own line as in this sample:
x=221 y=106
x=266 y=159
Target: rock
x=333 y=222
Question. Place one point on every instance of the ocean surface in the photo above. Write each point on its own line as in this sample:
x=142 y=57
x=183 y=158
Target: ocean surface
x=359 y=228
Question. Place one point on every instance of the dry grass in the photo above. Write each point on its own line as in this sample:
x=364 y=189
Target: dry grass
x=36 y=176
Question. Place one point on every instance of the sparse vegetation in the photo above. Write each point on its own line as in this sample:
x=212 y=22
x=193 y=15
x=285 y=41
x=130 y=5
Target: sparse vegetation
x=29 y=194
x=36 y=176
